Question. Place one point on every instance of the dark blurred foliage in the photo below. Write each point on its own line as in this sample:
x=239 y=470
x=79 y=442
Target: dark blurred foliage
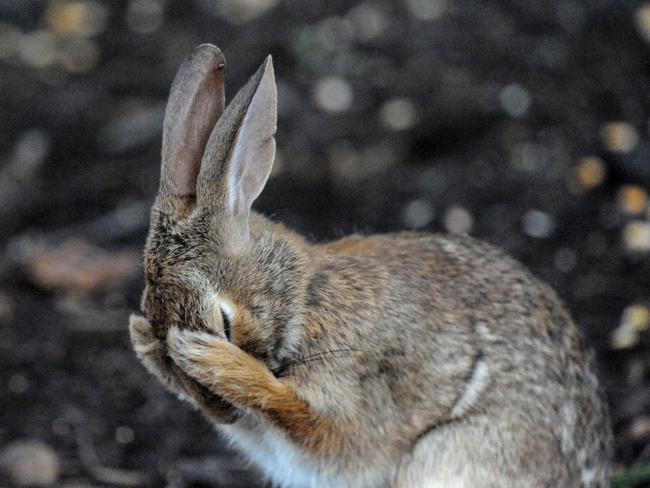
x=524 y=123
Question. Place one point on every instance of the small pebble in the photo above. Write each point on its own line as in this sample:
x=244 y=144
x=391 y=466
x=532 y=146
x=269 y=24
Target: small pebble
x=619 y=137
x=632 y=199
x=334 y=32
x=417 y=214
x=7 y=307
x=589 y=173
x=79 y=55
x=623 y=338
x=636 y=372
x=76 y=18
x=642 y=20
x=131 y=127
x=368 y=20
x=333 y=94
x=636 y=317
x=9 y=38
x=571 y=15
x=30 y=462
x=640 y=428
x=350 y=164
x=144 y=16
x=76 y=267
x=345 y=161
x=60 y=427
x=398 y=114
x=565 y=259
x=124 y=434
x=458 y=220
x=514 y=100
x=18 y=384
x=538 y=224
x=636 y=236
x=30 y=151
x=426 y=9
x=241 y=11
x=530 y=157
x=38 y=49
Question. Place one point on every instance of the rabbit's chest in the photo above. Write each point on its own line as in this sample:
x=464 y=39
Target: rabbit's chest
x=288 y=466
x=279 y=459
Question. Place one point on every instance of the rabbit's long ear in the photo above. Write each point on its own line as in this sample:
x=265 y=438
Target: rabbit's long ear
x=196 y=102
x=240 y=152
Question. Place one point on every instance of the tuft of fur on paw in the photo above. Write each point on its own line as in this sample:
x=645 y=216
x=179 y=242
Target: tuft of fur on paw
x=190 y=350
x=152 y=354
x=142 y=336
x=220 y=366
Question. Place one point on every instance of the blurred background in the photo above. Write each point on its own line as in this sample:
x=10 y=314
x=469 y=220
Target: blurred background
x=524 y=123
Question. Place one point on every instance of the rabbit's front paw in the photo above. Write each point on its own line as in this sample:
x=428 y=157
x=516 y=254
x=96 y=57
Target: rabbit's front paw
x=142 y=337
x=219 y=365
x=229 y=372
x=151 y=352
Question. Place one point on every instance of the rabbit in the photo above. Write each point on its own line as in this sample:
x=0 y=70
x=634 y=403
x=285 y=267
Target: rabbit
x=404 y=360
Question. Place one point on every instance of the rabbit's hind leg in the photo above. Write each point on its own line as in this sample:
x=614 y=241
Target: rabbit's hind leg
x=455 y=455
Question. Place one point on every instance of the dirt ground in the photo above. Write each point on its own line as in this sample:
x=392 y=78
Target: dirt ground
x=523 y=123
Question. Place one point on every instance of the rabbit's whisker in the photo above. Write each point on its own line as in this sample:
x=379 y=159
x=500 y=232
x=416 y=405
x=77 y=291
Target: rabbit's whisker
x=320 y=356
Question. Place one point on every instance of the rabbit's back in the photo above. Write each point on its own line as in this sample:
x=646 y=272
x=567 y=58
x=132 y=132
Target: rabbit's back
x=458 y=334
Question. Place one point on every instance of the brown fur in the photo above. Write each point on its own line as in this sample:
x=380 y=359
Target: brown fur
x=398 y=360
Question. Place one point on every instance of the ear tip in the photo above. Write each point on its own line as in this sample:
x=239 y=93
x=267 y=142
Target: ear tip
x=209 y=54
x=267 y=68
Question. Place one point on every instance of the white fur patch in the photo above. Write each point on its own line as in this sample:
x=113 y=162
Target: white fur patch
x=588 y=477
x=212 y=304
x=484 y=332
x=568 y=418
x=280 y=460
x=473 y=388
x=289 y=466
x=227 y=309
x=449 y=246
x=195 y=278
x=212 y=307
x=210 y=311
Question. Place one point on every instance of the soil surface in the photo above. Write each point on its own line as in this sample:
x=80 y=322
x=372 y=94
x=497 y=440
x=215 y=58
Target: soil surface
x=523 y=123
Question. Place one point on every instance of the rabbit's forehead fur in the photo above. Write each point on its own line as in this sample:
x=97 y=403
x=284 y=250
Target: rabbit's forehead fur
x=188 y=275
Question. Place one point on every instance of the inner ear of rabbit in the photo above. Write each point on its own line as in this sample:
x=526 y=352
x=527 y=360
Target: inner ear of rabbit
x=239 y=157
x=213 y=159
x=196 y=101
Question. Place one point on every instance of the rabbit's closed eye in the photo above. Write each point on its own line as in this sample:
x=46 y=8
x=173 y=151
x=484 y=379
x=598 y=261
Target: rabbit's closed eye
x=226 y=322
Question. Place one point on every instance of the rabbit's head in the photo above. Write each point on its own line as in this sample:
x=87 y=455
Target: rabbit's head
x=210 y=264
